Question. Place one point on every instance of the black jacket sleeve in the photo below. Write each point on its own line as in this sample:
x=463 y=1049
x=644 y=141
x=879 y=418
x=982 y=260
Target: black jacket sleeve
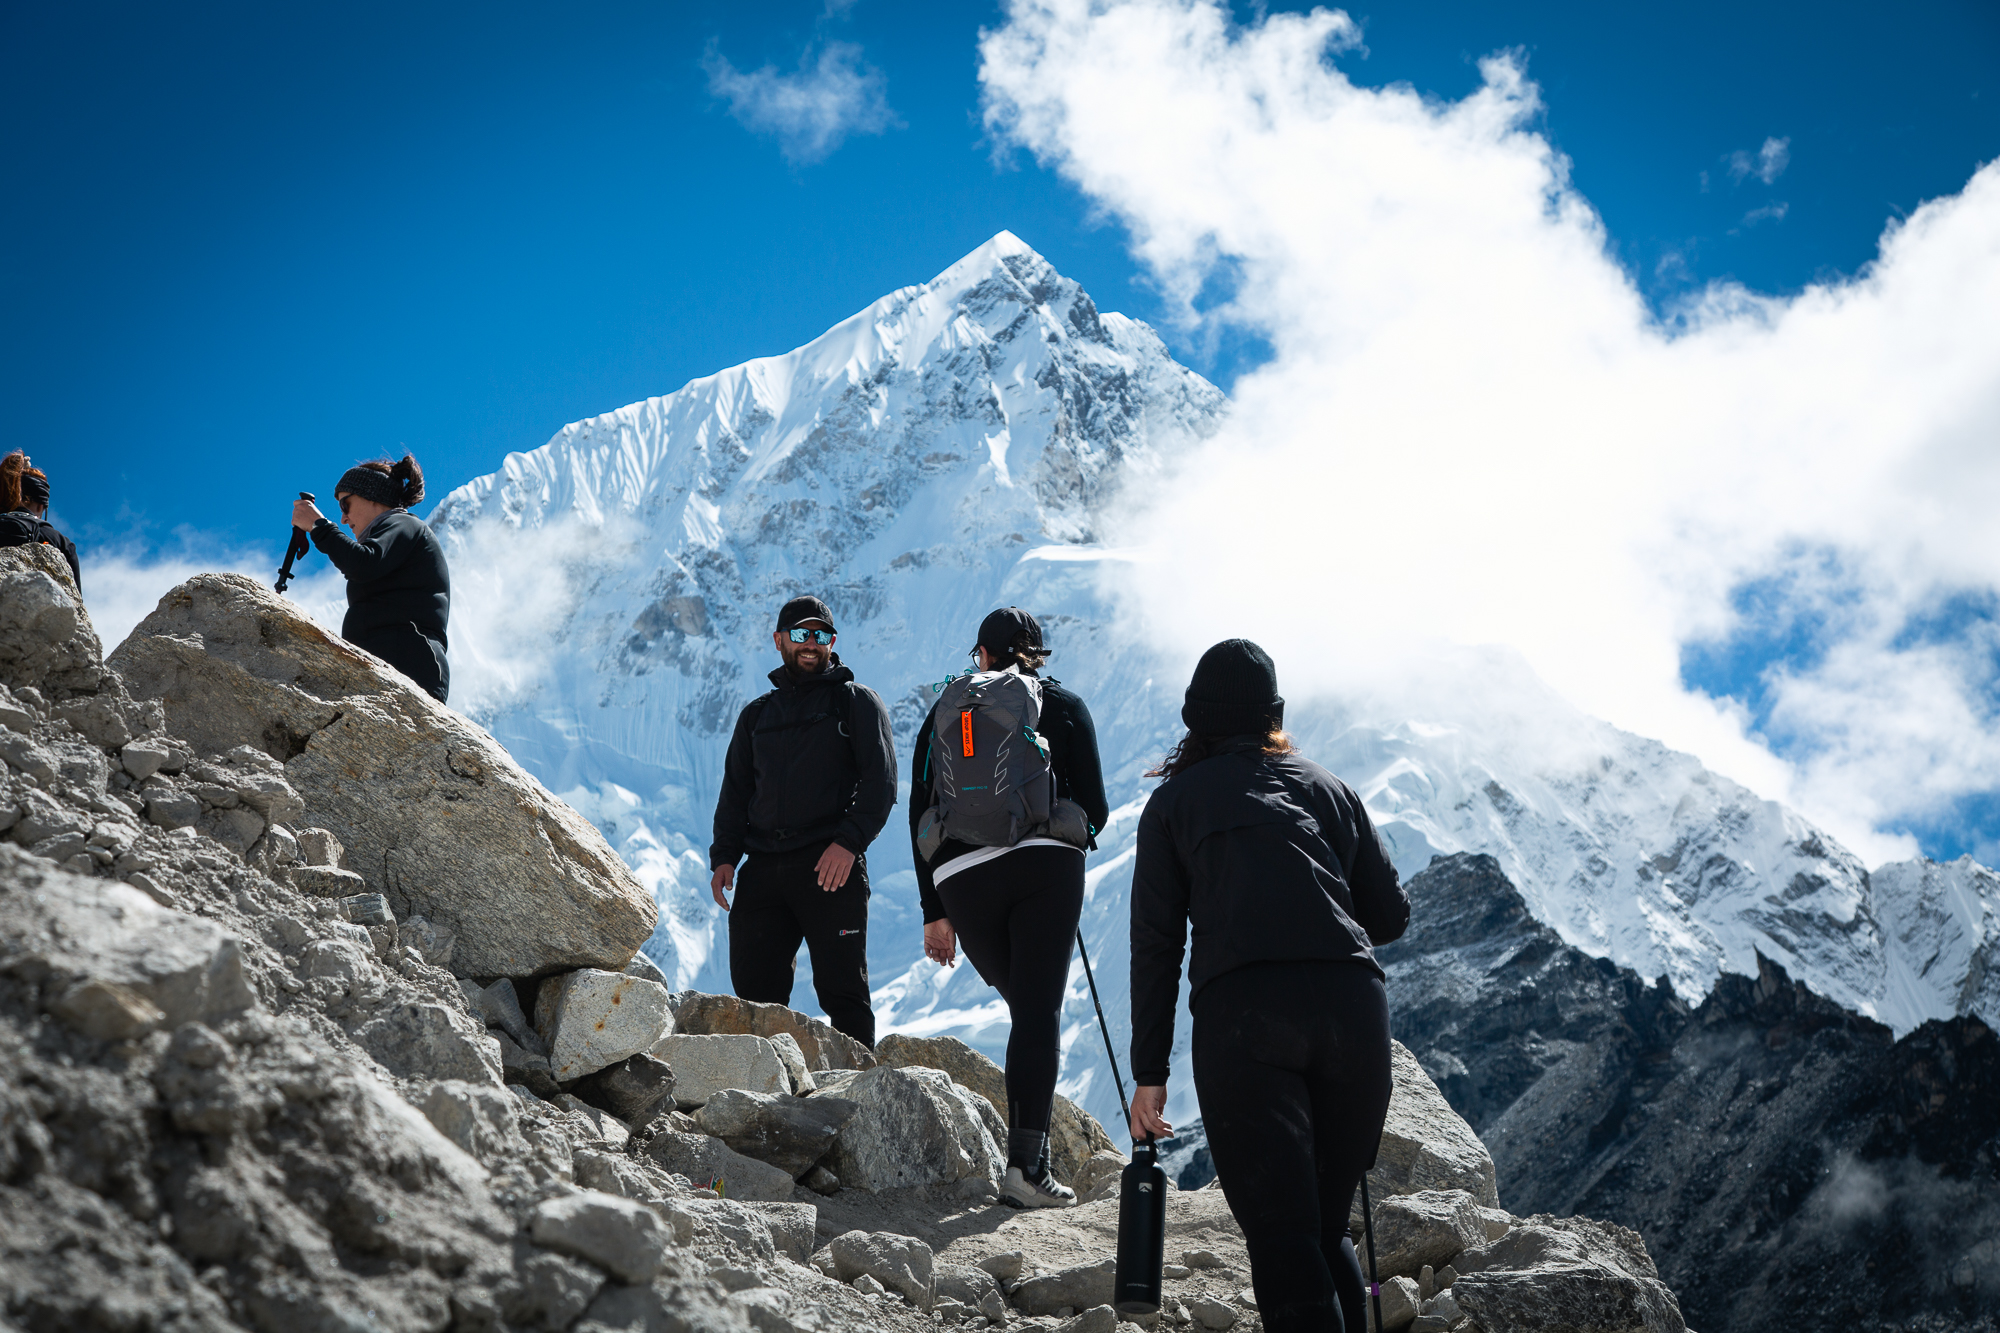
x=1381 y=904
x=1073 y=755
x=920 y=801
x=874 y=771
x=732 y=803
x=1159 y=939
x=368 y=559
x=55 y=538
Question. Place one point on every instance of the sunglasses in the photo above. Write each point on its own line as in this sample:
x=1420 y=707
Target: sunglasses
x=822 y=637
x=344 y=501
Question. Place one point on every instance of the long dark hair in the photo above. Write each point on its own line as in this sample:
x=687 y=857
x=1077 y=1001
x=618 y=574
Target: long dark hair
x=1195 y=747
x=1021 y=653
x=406 y=474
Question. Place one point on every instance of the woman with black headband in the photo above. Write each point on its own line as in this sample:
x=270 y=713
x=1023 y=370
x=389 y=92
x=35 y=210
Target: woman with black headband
x=398 y=586
x=1289 y=888
x=24 y=511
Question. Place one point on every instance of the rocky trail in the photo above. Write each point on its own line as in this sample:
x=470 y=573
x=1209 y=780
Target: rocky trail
x=318 y=1013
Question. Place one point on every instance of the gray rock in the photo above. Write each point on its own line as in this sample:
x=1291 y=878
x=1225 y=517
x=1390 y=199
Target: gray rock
x=1399 y=1303
x=46 y=639
x=1445 y=1306
x=1203 y=1259
x=23 y=754
x=791 y=1133
x=143 y=758
x=105 y=1011
x=591 y=1018
x=794 y=1060
x=1425 y=1144
x=318 y=847
x=322 y=881
x=901 y=1263
x=793 y=1226
x=699 y=1014
x=523 y=1067
x=14 y=714
x=70 y=930
x=428 y=805
x=481 y=1119
x=974 y=1288
x=552 y=1291
x=704 y=1160
x=914 y=1127
x=625 y=1238
x=366 y=909
x=427 y=1040
x=638 y=1090
x=1429 y=1228
x=1572 y=1273
x=1006 y=1265
x=821 y=1181
x=1074 y=1134
x=1097 y=1319
x=1099 y=1177
x=1080 y=1288
x=1208 y=1312
x=705 y=1065
x=500 y=1005
x=646 y=969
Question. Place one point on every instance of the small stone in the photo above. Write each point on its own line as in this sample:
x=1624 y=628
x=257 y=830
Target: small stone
x=106 y=1011
x=500 y=1005
x=821 y=1181
x=703 y=1159
x=1097 y=1319
x=591 y=1018
x=794 y=1060
x=902 y=1264
x=1006 y=1265
x=1203 y=1259
x=1426 y=1282
x=1211 y=1313
x=1175 y=1271
x=1399 y=1303
x=323 y=881
x=143 y=758
x=318 y=847
x=626 y=1238
x=1080 y=1288
x=174 y=809
x=637 y=1089
x=152 y=888
x=1430 y=1323
x=1247 y=1298
x=868 y=1286
x=367 y=909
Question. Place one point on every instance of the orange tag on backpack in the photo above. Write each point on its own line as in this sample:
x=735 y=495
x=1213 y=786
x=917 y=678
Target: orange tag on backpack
x=965 y=730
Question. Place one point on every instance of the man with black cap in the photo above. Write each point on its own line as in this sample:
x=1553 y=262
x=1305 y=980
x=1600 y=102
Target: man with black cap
x=809 y=781
x=1289 y=888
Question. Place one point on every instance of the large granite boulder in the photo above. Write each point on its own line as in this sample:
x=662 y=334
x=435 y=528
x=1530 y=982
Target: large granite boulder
x=1425 y=1144
x=1074 y=1134
x=1571 y=1273
x=47 y=642
x=912 y=1127
x=431 y=810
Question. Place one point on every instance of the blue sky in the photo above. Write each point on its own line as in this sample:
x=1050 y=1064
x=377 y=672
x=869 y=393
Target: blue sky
x=249 y=245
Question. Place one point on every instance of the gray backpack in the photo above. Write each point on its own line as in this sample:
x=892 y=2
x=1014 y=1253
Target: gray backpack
x=991 y=784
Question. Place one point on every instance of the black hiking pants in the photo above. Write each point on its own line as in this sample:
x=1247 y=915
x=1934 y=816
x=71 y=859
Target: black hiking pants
x=779 y=903
x=1016 y=916
x=1291 y=1063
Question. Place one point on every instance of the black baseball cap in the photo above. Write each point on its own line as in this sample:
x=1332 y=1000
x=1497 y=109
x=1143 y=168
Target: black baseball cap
x=1002 y=629
x=801 y=609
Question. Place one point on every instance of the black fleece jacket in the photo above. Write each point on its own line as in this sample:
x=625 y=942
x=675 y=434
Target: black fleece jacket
x=24 y=528
x=1079 y=775
x=810 y=761
x=396 y=576
x=1274 y=859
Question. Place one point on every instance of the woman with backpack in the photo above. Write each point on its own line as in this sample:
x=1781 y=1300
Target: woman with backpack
x=24 y=511
x=1003 y=874
x=398 y=585
x=1288 y=885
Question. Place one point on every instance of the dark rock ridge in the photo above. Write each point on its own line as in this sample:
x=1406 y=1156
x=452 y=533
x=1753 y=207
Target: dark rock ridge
x=1788 y=1162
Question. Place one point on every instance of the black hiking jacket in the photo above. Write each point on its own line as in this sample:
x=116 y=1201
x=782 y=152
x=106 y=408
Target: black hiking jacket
x=396 y=577
x=1274 y=859
x=1079 y=775
x=21 y=528
x=810 y=761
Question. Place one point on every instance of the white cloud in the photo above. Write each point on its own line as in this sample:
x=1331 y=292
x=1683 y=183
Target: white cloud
x=1768 y=213
x=810 y=113
x=1472 y=429
x=1766 y=164
x=122 y=584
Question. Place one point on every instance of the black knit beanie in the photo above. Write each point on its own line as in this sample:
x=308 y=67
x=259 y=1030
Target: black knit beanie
x=368 y=484
x=1234 y=692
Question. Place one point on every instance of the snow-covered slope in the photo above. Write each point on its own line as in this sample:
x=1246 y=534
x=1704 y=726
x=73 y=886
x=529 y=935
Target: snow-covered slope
x=960 y=445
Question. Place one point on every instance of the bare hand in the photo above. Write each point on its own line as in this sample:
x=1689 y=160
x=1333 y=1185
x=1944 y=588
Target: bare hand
x=941 y=943
x=720 y=883
x=1149 y=1105
x=834 y=864
x=304 y=514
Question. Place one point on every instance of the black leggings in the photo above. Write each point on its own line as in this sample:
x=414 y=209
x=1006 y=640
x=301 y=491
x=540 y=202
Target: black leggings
x=778 y=904
x=1291 y=1063
x=1016 y=916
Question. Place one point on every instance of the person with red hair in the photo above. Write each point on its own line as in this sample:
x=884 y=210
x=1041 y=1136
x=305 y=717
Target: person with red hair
x=24 y=511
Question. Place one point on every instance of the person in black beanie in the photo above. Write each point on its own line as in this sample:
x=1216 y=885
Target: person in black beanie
x=398 y=584
x=809 y=780
x=1289 y=887
x=1015 y=907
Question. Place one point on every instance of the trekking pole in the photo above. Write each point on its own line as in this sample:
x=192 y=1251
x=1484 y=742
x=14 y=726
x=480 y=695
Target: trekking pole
x=1105 y=1028
x=1368 y=1234
x=299 y=545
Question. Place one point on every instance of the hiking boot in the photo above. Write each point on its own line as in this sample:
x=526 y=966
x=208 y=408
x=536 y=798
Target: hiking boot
x=1040 y=1191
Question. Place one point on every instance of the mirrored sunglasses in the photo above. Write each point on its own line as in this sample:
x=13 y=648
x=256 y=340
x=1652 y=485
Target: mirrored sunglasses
x=822 y=637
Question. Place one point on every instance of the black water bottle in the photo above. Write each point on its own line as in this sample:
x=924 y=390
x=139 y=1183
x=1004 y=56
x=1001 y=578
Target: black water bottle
x=1142 y=1231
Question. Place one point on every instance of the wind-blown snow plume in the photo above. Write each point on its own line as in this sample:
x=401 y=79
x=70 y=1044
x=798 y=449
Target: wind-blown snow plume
x=1473 y=430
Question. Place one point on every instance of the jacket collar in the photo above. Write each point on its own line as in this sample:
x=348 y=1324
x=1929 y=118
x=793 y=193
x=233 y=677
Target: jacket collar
x=836 y=673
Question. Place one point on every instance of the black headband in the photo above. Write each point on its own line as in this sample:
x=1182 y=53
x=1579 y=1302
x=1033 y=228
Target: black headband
x=34 y=489
x=371 y=485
